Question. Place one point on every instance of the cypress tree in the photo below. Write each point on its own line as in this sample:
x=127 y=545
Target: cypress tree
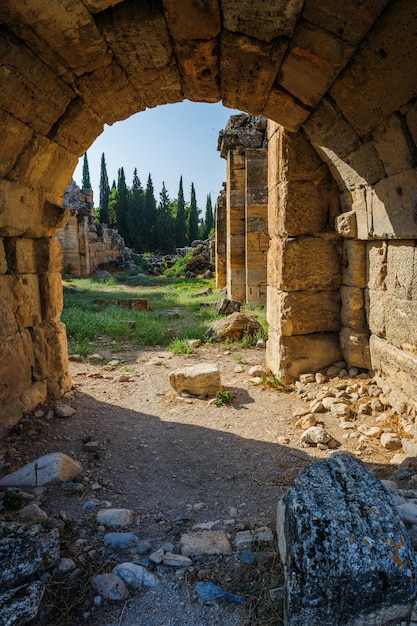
x=165 y=223
x=86 y=182
x=208 y=223
x=150 y=217
x=193 y=216
x=136 y=214
x=122 y=205
x=104 y=192
x=113 y=206
x=181 y=217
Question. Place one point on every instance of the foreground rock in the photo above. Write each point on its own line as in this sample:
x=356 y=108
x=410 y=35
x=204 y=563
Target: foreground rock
x=48 y=469
x=202 y=379
x=346 y=553
x=234 y=327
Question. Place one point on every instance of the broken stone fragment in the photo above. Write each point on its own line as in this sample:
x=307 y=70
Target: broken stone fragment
x=233 y=326
x=346 y=553
x=136 y=576
x=315 y=435
x=202 y=379
x=110 y=586
x=21 y=604
x=115 y=517
x=51 y=468
x=205 y=542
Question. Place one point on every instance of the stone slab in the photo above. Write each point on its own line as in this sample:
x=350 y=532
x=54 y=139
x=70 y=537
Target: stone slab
x=302 y=313
x=48 y=469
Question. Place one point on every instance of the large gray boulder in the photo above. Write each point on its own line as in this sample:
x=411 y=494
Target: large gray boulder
x=346 y=553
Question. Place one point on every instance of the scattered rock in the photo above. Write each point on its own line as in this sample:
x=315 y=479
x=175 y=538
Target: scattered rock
x=390 y=441
x=63 y=410
x=120 y=540
x=115 y=517
x=233 y=327
x=306 y=421
x=226 y=306
x=51 y=468
x=247 y=538
x=205 y=542
x=257 y=371
x=208 y=591
x=315 y=435
x=21 y=604
x=110 y=586
x=202 y=379
x=136 y=576
x=176 y=560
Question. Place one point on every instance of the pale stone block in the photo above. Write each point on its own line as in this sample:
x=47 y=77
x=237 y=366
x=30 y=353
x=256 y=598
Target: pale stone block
x=302 y=313
x=393 y=145
x=291 y=356
x=16 y=361
x=400 y=267
x=375 y=311
x=400 y=315
x=51 y=296
x=353 y=308
x=282 y=107
x=304 y=264
x=303 y=207
x=46 y=470
x=20 y=209
x=377 y=253
x=202 y=379
x=398 y=366
x=298 y=161
x=393 y=206
x=355 y=347
x=27 y=299
x=354 y=263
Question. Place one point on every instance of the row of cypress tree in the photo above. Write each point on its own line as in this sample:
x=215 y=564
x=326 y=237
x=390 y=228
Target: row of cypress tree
x=145 y=224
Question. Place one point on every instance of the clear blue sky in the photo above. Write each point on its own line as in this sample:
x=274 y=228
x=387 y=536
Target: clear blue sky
x=167 y=141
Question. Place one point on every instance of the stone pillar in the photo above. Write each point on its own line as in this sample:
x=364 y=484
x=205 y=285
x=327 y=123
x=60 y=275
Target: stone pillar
x=256 y=223
x=235 y=225
x=221 y=239
x=245 y=207
x=304 y=258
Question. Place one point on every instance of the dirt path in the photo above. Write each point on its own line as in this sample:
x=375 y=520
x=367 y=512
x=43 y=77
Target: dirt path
x=176 y=462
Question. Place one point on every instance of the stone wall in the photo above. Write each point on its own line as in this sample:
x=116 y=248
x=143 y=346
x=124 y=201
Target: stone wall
x=85 y=244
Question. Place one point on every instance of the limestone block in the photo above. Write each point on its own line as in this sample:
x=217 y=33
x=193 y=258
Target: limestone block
x=365 y=96
x=377 y=253
x=346 y=225
x=35 y=395
x=51 y=355
x=49 y=95
x=3 y=260
x=139 y=304
x=8 y=323
x=234 y=327
x=340 y=533
x=94 y=87
x=16 y=361
x=24 y=551
x=354 y=263
x=202 y=379
x=41 y=161
x=327 y=127
x=297 y=159
x=14 y=137
x=393 y=145
x=355 y=347
x=149 y=60
x=399 y=366
x=252 y=19
x=51 y=296
x=11 y=413
x=31 y=256
x=400 y=315
x=20 y=209
x=401 y=267
x=205 y=542
x=314 y=60
x=375 y=311
x=302 y=313
x=27 y=299
x=191 y=20
x=334 y=17
x=292 y=356
x=46 y=470
x=304 y=264
x=198 y=65
x=77 y=115
x=352 y=313
x=303 y=207
x=393 y=206
x=283 y=108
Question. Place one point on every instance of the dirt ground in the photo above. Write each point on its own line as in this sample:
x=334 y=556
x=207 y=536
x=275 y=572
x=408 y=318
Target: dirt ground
x=176 y=462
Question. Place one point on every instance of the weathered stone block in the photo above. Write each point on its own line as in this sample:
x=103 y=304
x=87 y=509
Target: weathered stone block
x=51 y=295
x=199 y=69
x=291 y=356
x=14 y=138
x=283 y=108
x=139 y=304
x=303 y=207
x=32 y=256
x=355 y=347
x=401 y=267
x=48 y=469
x=393 y=145
x=399 y=366
x=304 y=264
x=16 y=360
x=377 y=264
x=234 y=327
x=191 y=20
x=315 y=59
x=202 y=379
x=302 y=313
x=400 y=315
x=32 y=397
x=353 y=308
x=51 y=356
x=354 y=263
x=375 y=311
x=251 y=18
x=3 y=260
x=393 y=206
x=346 y=225
x=89 y=126
x=291 y=157
x=411 y=119
x=328 y=129
x=339 y=535
x=20 y=209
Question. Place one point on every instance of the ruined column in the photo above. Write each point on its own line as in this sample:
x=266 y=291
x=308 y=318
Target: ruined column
x=221 y=239
x=256 y=223
x=242 y=134
x=304 y=258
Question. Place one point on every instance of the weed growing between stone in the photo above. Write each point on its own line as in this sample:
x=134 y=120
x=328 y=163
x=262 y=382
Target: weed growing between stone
x=223 y=397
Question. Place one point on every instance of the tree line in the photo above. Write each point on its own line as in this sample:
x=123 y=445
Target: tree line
x=145 y=224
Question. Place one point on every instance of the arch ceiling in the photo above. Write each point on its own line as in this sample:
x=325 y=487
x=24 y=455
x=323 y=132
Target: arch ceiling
x=67 y=67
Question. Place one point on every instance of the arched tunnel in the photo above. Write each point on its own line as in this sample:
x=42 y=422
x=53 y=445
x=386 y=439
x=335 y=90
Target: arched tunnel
x=337 y=80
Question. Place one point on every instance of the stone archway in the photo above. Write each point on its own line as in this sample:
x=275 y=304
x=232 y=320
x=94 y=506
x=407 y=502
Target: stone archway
x=68 y=67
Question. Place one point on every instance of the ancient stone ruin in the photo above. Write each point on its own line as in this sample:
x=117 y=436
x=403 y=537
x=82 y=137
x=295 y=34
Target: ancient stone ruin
x=85 y=244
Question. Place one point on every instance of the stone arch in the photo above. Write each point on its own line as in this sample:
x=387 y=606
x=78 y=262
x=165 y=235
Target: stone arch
x=68 y=67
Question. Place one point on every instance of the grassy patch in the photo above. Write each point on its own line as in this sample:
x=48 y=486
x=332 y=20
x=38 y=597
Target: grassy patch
x=223 y=397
